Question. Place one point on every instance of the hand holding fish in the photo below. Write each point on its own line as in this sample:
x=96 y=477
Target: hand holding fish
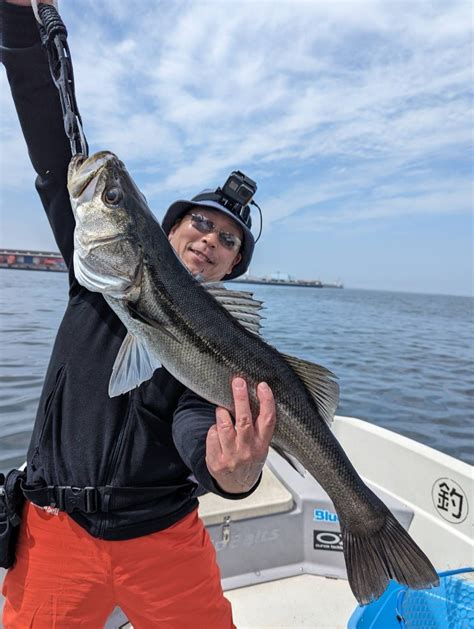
x=235 y=455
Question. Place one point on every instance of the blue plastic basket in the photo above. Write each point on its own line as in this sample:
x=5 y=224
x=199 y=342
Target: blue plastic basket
x=448 y=606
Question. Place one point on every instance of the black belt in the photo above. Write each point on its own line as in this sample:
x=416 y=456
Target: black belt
x=92 y=499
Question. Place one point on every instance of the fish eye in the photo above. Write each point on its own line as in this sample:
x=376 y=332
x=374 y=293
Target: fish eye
x=113 y=196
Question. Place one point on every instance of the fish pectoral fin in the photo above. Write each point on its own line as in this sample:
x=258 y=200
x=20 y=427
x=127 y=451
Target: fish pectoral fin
x=240 y=304
x=320 y=384
x=139 y=316
x=134 y=364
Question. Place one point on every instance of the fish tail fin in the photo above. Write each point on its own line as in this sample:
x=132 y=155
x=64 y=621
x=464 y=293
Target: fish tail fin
x=389 y=553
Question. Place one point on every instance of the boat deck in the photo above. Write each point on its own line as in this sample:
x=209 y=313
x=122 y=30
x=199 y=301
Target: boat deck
x=294 y=603
x=301 y=601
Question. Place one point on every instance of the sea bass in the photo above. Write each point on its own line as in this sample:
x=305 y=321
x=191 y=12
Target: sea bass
x=205 y=335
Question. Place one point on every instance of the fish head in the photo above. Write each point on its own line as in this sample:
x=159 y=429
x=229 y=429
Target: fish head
x=106 y=203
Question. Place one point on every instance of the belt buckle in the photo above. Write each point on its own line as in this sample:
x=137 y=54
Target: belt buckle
x=77 y=499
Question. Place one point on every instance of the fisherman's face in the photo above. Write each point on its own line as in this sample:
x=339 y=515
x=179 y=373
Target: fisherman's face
x=205 y=254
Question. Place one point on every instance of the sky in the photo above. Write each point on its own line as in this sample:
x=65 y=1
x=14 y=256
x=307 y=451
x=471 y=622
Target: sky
x=354 y=118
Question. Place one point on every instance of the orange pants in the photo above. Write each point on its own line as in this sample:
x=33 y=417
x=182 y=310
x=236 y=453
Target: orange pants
x=64 y=577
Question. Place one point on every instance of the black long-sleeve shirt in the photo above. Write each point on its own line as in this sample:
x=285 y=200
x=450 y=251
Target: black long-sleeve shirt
x=155 y=435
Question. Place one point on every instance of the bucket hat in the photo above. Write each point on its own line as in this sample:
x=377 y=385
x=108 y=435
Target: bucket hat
x=211 y=199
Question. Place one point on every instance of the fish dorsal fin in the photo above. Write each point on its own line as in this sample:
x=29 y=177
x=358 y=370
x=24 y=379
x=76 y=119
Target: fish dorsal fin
x=133 y=365
x=240 y=304
x=319 y=382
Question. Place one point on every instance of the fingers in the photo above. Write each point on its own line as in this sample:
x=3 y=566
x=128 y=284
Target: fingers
x=265 y=424
x=213 y=445
x=225 y=430
x=235 y=455
x=245 y=440
x=243 y=414
x=220 y=444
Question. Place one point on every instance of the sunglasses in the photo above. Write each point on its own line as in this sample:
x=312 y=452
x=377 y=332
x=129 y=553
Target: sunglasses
x=206 y=226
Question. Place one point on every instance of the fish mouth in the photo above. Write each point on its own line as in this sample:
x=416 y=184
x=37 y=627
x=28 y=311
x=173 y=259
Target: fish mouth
x=84 y=170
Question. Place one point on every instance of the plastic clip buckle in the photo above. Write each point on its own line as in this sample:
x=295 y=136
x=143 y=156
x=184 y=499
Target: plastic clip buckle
x=71 y=499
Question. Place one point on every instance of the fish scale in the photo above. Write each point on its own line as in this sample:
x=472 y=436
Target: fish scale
x=175 y=321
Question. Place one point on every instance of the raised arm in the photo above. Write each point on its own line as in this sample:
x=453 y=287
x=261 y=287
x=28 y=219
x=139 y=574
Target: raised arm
x=37 y=104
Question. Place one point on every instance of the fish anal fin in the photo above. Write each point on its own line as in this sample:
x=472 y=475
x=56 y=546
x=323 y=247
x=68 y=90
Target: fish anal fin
x=320 y=383
x=133 y=365
x=290 y=459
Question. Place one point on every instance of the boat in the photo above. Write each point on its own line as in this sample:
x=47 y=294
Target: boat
x=280 y=550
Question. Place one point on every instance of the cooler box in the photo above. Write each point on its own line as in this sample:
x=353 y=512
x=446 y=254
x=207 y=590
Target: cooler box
x=287 y=527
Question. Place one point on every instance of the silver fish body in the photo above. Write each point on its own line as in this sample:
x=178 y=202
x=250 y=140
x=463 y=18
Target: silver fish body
x=205 y=335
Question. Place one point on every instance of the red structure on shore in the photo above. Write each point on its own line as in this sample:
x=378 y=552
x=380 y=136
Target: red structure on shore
x=31 y=260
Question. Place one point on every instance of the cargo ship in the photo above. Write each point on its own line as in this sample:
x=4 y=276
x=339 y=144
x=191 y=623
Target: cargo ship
x=282 y=279
x=268 y=281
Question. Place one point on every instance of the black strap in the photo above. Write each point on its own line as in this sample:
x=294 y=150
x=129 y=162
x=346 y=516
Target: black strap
x=92 y=499
x=54 y=39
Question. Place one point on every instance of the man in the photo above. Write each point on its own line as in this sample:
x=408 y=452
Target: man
x=111 y=513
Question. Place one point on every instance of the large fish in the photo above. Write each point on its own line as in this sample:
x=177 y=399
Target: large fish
x=205 y=335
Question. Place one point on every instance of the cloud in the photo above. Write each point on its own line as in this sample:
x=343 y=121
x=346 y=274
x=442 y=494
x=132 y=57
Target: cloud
x=184 y=92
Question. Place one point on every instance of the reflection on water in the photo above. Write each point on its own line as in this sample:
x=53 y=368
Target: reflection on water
x=404 y=361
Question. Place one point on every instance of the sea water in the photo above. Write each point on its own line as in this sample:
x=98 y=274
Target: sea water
x=404 y=361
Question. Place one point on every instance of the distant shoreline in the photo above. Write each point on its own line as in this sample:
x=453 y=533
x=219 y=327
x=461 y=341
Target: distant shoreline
x=27 y=260
x=272 y=282
x=395 y=291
